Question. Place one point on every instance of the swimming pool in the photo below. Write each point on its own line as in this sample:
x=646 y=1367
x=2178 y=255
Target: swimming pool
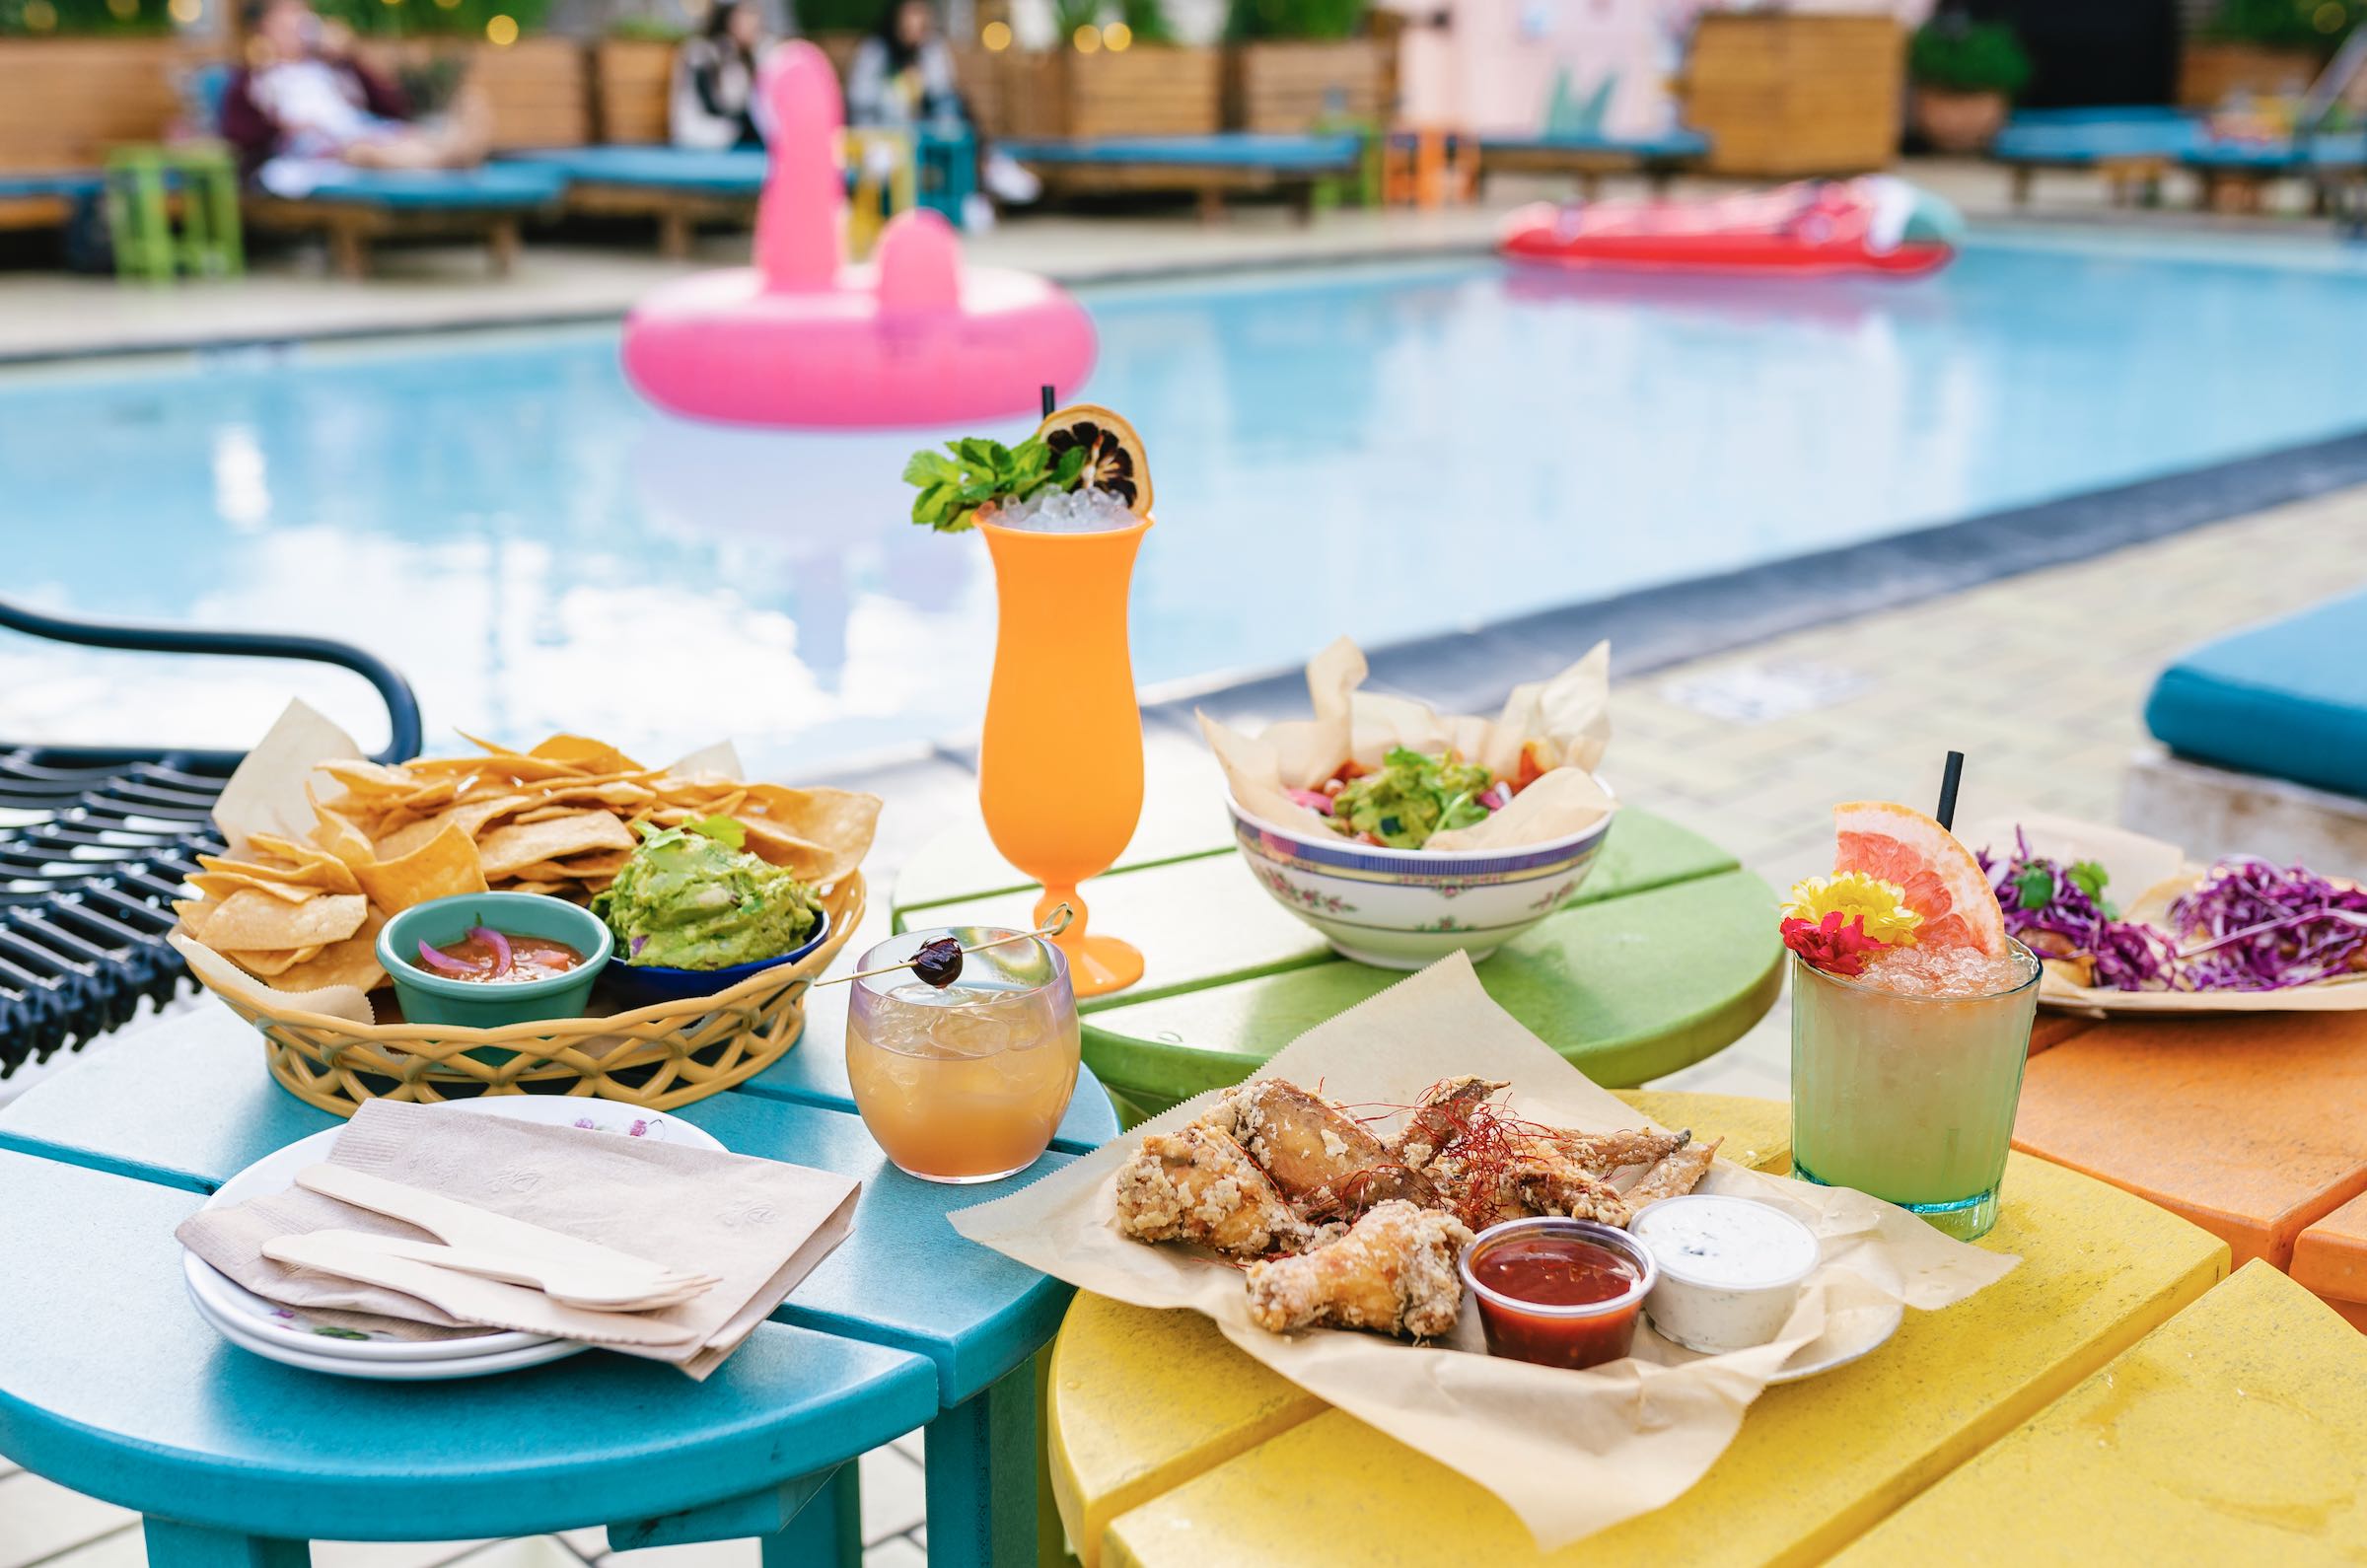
x=1384 y=452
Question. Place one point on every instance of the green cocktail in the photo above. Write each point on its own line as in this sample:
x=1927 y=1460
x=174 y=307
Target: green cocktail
x=1904 y=1079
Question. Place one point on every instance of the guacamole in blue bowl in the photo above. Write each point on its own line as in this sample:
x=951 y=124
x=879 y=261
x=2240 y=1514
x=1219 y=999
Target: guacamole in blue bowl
x=693 y=914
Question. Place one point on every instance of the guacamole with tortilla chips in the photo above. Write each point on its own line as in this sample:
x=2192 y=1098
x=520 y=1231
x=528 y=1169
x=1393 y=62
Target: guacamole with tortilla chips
x=692 y=898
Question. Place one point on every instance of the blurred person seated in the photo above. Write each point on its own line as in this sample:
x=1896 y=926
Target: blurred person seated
x=902 y=78
x=714 y=99
x=304 y=106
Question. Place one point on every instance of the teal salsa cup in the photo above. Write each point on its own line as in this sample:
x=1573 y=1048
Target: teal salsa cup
x=431 y=998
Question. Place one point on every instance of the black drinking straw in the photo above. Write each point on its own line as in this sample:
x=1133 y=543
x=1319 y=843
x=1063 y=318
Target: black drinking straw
x=1950 y=776
x=1047 y=400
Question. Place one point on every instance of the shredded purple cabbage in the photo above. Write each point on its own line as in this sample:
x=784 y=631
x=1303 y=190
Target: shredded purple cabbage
x=2252 y=926
x=2067 y=922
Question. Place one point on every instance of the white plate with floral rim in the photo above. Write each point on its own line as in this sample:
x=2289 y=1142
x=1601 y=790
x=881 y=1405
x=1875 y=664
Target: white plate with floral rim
x=267 y=1326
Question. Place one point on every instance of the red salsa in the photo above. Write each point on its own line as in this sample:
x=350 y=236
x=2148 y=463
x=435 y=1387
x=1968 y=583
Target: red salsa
x=1578 y=1287
x=1555 y=1270
x=474 y=958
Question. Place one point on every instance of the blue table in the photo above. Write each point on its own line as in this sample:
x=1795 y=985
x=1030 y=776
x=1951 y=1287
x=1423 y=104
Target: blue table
x=110 y=1383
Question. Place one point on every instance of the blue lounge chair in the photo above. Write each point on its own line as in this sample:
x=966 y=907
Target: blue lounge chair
x=2285 y=700
x=1214 y=167
x=1590 y=155
x=2265 y=732
x=2134 y=146
x=358 y=206
x=679 y=187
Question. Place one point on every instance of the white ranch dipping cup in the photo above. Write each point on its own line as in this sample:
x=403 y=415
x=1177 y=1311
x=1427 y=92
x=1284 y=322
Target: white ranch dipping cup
x=1730 y=1269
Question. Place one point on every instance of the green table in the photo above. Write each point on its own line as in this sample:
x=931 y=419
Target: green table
x=1665 y=956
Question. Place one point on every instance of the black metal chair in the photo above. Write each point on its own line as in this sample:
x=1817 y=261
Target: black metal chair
x=95 y=840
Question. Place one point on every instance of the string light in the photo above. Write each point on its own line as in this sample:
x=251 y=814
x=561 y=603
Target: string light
x=2330 y=17
x=1086 y=38
x=997 y=36
x=1117 y=38
x=502 y=30
x=40 y=14
x=186 y=12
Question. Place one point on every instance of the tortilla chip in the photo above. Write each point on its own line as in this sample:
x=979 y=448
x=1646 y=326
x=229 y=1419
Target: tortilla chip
x=574 y=868
x=352 y=961
x=508 y=850
x=470 y=817
x=193 y=913
x=317 y=865
x=369 y=778
x=820 y=834
x=219 y=885
x=249 y=920
x=555 y=889
x=446 y=864
x=267 y=965
x=340 y=837
x=596 y=756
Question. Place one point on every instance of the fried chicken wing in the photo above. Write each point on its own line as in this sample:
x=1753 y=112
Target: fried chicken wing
x=1443 y=1114
x=1393 y=1273
x=1679 y=1171
x=1198 y=1185
x=1324 y=1161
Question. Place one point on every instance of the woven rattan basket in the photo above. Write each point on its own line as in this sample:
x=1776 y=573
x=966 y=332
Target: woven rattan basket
x=659 y=1057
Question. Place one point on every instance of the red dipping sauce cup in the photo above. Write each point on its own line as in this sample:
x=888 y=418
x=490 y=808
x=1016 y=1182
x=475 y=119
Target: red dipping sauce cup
x=1554 y=1332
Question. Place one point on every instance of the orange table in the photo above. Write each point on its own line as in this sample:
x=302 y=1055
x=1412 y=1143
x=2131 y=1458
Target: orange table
x=2331 y=1259
x=2253 y=1127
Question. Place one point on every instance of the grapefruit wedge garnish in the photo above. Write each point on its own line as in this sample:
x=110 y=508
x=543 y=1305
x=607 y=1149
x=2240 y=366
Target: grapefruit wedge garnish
x=1943 y=883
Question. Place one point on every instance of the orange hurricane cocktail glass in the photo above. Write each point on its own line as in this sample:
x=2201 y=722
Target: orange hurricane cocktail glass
x=1060 y=765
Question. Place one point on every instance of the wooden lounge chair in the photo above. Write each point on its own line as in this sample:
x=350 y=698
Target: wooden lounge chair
x=1590 y=155
x=1229 y=164
x=358 y=207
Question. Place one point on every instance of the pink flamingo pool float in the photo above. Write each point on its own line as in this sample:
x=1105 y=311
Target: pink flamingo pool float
x=804 y=338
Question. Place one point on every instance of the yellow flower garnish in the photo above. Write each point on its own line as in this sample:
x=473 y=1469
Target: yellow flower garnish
x=1854 y=894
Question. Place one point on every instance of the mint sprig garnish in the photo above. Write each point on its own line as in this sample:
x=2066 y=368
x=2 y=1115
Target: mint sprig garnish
x=975 y=471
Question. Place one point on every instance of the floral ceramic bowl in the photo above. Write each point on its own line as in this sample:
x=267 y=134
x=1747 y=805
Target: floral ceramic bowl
x=1402 y=908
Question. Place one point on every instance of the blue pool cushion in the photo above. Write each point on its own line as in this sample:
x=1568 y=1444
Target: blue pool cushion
x=2286 y=701
x=2262 y=155
x=729 y=172
x=1227 y=150
x=1668 y=144
x=493 y=187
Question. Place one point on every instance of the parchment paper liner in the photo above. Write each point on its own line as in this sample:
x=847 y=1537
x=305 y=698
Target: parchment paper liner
x=1570 y=1453
x=1565 y=723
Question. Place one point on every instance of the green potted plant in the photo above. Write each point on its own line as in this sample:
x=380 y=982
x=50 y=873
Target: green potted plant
x=1965 y=74
x=1295 y=64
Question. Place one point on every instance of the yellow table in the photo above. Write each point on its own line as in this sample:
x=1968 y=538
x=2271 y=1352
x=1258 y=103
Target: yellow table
x=1169 y=1446
x=2230 y=1435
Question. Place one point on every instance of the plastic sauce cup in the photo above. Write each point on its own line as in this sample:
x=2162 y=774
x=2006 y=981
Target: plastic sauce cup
x=1551 y=1334
x=1730 y=1269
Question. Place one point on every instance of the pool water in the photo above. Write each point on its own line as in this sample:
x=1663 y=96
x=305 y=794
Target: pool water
x=1383 y=452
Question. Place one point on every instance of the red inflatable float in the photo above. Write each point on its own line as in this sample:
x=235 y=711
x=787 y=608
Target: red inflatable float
x=1876 y=224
